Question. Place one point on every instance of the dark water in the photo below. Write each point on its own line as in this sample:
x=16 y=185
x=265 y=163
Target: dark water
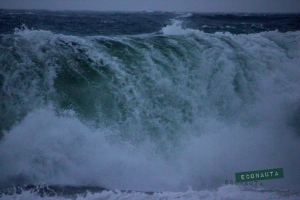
x=111 y=23
x=148 y=101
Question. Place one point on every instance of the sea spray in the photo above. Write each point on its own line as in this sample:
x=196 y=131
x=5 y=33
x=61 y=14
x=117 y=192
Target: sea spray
x=148 y=112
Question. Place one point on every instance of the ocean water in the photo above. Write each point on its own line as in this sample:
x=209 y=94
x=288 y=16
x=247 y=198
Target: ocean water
x=151 y=101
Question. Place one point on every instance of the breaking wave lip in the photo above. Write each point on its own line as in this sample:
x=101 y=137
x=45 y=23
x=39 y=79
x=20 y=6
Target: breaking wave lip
x=176 y=28
x=61 y=147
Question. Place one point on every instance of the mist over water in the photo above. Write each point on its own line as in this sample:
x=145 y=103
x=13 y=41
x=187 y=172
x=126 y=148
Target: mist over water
x=159 y=111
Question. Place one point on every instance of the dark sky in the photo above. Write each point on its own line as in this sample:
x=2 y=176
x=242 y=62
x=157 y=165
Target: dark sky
x=162 y=5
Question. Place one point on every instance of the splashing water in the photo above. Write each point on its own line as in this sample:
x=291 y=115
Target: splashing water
x=149 y=112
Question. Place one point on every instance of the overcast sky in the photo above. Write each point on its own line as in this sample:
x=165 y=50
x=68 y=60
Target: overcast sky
x=161 y=5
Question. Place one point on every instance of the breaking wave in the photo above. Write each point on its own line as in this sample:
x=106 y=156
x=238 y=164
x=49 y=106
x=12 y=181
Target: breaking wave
x=156 y=111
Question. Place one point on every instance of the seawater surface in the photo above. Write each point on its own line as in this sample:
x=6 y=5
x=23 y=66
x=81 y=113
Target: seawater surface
x=149 y=102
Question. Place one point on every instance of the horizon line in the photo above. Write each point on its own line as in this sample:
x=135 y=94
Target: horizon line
x=146 y=11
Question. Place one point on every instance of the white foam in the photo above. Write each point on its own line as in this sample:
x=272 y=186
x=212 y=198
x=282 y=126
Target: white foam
x=176 y=29
x=225 y=192
x=229 y=132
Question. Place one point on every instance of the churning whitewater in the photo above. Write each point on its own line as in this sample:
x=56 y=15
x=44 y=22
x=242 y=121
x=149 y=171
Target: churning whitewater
x=162 y=111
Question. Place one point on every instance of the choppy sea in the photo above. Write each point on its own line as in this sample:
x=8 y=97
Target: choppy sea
x=172 y=103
